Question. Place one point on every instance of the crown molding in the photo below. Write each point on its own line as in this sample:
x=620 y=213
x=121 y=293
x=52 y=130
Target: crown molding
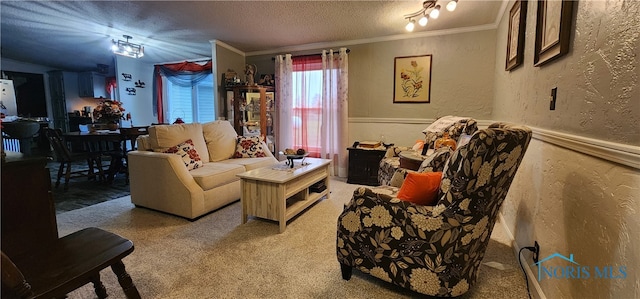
x=337 y=44
x=503 y=9
x=227 y=46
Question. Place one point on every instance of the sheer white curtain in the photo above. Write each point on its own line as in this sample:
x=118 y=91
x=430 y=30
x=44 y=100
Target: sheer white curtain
x=334 y=132
x=333 y=129
x=284 y=99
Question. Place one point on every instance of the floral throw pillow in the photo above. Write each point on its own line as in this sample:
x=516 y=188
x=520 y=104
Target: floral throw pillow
x=187 y=151
x=249 y=147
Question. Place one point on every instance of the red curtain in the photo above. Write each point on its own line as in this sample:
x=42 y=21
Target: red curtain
x=174 y=69
x=111 y=83
x=307 y=106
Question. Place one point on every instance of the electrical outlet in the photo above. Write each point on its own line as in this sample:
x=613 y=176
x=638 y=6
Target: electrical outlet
x=536 y=252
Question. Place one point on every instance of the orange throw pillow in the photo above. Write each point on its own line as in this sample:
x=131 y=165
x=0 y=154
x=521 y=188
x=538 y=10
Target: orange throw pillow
x=421 y=188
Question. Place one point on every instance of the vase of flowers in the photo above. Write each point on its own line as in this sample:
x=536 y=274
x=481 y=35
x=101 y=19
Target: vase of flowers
x=109 y=112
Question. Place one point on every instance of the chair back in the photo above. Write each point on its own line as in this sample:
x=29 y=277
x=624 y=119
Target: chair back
x=129 y=135
x=478 y=175
x=60 y=148
x=458 y=126
x=485 y=167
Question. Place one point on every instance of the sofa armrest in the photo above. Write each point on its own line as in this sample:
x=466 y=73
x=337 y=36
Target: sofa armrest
x=155 y=164
x=266 y=149
x=157 y=177
x=394 y=151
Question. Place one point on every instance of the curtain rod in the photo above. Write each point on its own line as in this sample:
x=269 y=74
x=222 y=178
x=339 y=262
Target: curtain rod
x=203 y=59
x=334 y=52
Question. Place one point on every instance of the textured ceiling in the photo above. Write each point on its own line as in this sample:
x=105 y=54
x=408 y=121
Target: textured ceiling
x=77 y=35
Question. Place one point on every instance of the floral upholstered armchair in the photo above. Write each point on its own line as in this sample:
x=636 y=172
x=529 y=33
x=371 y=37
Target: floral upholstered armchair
x=454 y=125
x=436 y=250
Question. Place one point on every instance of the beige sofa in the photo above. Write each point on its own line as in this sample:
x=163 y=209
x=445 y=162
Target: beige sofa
x=161 y=181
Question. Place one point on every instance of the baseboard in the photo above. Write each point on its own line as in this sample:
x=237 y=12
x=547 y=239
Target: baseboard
x=534 y=286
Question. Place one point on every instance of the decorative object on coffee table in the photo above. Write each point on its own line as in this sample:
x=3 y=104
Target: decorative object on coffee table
x=291 y=155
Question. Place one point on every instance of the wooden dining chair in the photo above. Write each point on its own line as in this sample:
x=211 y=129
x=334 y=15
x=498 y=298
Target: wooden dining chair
x=66 y=158
x=66 y=264
x=129 y=137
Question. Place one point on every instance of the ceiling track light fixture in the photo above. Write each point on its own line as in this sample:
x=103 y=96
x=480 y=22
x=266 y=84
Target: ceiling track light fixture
x=430 y=10
x=127 y=48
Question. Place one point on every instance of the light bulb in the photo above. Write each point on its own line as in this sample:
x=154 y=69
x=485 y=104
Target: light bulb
x=451 y=6
x=435 y=12
x=410 y=25
x=423 y=21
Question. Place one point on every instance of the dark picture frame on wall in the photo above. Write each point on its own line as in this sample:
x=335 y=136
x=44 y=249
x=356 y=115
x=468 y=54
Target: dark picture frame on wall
x=515 y=37
x=412 y=79
x=553 y=30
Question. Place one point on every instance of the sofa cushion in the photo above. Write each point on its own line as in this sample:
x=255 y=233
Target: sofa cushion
x=252 y=163
x=214 y=174
x=220 y=137
x=162 y=137
x=187 y=153
x=249 y=147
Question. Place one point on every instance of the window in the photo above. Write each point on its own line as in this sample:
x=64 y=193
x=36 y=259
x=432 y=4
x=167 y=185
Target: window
x=307 y=110
x=190 y=103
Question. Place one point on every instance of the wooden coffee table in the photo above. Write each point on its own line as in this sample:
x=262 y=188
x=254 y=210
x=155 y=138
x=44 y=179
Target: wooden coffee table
x=282 y=193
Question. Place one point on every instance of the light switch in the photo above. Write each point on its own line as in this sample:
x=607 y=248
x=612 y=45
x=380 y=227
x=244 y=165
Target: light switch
x=552 y=102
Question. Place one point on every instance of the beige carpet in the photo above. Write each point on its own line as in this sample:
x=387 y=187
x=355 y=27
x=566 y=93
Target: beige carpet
x=218 y=257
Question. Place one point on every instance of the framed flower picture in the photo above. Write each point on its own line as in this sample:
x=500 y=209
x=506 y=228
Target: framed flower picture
x=412 y=79
x=515 y=37
x=553 y=30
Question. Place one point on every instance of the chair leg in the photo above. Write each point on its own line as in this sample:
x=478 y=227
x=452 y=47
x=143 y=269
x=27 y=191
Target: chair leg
x=90 y=173
x=60 y=171
x=126 y=167
x=67 y=176
x=101 y=291
x=125 y=280
x=98 y=161
x=346 y=271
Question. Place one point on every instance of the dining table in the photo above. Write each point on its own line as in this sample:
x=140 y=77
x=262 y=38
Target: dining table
x=106 y=142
